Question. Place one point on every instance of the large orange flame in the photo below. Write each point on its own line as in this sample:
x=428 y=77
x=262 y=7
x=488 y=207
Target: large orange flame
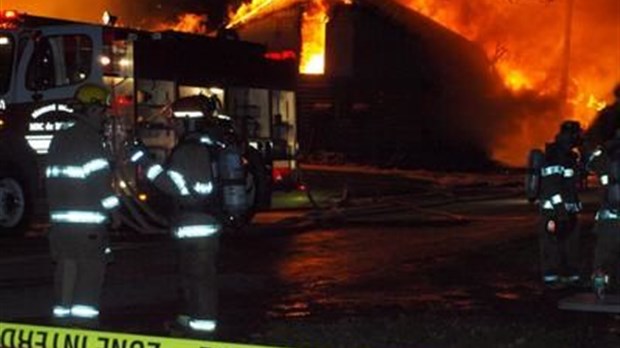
x=525 y=41
x=314 y=20
x=313 y=38
x=186 y=22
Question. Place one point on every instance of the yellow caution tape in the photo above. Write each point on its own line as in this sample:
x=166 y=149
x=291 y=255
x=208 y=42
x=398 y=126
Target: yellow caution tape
x=34 y=336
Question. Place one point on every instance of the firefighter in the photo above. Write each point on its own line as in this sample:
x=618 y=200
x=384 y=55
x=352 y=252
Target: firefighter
x=200 y=194
x=80 y=196
x=605 y=163
x=559 y=205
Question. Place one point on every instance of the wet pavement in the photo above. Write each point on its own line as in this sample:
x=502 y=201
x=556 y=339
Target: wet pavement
x=429 y=265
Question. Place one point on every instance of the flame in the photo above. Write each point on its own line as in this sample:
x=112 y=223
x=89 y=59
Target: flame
x=313 y=39
x=313 y=27
x=594 y=103
x=256 y=8
x=514 y=78
x=186 y=22
x=524 y=40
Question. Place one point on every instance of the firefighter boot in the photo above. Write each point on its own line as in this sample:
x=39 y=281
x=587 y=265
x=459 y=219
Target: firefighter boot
x=181 y=328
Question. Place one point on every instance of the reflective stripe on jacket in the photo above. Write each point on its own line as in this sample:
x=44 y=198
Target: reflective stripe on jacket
x=79 y=177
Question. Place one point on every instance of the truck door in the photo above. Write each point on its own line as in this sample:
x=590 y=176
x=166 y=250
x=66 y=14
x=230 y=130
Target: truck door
x=52 y=63
x=57 y=60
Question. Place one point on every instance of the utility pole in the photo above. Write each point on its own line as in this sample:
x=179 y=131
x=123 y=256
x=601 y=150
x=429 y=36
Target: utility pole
x=566 y=56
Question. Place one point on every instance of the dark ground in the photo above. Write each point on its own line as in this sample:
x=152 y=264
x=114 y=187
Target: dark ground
x=505 y=305
x=486 y=295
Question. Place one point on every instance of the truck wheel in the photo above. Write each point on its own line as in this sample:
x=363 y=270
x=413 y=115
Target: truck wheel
x=14 y=204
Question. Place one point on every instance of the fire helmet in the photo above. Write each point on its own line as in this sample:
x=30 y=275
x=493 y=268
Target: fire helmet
x=89 y=94
x=571 y=132
x=195 y=112
x=196 y=106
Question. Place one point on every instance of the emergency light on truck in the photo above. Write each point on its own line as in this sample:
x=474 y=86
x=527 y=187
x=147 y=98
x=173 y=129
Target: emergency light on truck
x=9 y=19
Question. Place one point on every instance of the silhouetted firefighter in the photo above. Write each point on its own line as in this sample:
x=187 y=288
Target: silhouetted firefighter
x=553 y=181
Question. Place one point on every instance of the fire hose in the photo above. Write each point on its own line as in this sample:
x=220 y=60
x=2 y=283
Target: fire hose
x=308 y=189
x=138 y=212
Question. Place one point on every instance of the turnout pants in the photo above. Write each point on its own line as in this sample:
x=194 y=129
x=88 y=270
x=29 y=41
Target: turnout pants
x=79 y=254
x=198 y=276
x=559 y=250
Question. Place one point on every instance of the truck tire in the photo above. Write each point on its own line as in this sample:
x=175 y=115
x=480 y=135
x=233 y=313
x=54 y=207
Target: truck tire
x=15 y=203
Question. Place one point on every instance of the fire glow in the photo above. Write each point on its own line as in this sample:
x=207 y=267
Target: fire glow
x=313 y=39
x=526 y=42
x=188 y=23
x=314 y=20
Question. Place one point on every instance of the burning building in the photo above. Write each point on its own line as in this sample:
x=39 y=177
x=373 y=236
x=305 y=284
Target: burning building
x=491 y=77
x=396 y=89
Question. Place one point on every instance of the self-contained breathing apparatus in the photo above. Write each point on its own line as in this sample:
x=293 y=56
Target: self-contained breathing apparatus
x=613 y=186
x=535 y=162
x=539 y=163
x=605 y=162
x=202 y=123
x=228 y=198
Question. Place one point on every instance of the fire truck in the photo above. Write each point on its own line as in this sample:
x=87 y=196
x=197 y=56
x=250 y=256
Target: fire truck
x=44 y=60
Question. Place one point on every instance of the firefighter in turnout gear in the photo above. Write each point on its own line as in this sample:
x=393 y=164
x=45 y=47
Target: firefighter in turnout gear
x=605 y=163
x=80 y=196
x=559 y=206
x=205 y=176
